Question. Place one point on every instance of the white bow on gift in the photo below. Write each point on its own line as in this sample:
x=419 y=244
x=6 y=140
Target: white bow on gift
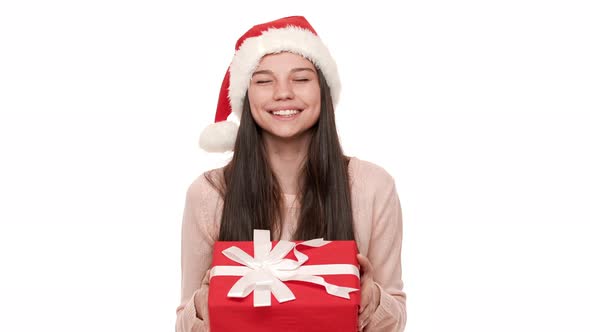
x=265 y=272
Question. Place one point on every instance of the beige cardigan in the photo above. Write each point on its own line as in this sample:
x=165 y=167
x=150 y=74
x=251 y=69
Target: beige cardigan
x=377 y=222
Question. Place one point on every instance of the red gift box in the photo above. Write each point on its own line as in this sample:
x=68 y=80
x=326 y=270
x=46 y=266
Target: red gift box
x=312 y=309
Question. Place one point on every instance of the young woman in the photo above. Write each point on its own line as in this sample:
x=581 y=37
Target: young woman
x=288 y=174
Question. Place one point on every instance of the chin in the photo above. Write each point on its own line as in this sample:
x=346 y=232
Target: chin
x=286 y=136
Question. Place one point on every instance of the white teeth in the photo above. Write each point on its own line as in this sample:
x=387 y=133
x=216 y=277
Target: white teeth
x=285 y=112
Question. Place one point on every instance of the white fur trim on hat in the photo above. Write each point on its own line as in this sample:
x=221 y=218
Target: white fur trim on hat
x=290 y=39
x=219 y=137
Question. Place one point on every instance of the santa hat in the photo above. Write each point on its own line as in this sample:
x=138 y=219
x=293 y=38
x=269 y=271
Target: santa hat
x=289 y=34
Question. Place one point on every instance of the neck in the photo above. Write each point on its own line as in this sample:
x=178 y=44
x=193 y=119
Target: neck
x=286 y=157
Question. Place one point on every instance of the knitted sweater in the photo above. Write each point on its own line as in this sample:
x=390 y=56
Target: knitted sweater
x=377 y=222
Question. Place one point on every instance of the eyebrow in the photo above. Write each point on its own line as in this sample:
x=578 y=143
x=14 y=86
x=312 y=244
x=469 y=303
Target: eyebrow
x=294 y=70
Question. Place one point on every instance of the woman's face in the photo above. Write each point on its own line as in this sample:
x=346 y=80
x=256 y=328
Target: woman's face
x=284 y=95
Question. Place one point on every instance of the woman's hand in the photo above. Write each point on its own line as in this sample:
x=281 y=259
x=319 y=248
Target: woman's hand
x=370 y=294
x=202 y=300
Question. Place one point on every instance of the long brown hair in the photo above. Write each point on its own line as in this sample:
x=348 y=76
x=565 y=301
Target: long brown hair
x=252 y=194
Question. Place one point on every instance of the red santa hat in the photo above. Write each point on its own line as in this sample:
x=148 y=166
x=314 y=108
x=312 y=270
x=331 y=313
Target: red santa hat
x=289 y=34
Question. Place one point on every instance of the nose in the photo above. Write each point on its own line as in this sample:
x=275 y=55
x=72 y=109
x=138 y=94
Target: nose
x=283 y=90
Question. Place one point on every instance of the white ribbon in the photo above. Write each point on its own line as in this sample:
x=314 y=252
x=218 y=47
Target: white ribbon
x=265 y=272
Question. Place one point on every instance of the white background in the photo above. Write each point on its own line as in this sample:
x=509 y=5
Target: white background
x=477 y=108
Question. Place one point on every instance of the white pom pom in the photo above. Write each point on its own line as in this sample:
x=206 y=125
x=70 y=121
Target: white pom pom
x=219 y=137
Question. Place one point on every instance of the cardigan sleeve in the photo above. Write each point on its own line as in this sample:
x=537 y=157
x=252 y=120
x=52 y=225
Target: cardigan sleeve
x=384 y=253
x=196 y=248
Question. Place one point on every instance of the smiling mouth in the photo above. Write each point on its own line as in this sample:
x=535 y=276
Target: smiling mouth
x=286 y=113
